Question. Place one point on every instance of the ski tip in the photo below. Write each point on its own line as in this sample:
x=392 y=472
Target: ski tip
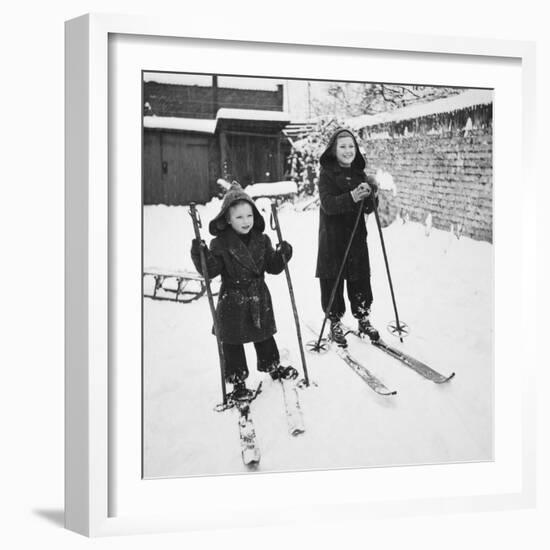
x=221 y=407
x=251 y=458
x=297 y=431
x=450 y=377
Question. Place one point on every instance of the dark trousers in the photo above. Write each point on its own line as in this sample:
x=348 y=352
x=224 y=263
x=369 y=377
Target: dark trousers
x=235 y=359
x=359 y=296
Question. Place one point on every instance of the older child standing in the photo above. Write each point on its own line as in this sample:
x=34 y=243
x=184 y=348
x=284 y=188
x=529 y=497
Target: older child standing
x=343 y=184
x=241 y=253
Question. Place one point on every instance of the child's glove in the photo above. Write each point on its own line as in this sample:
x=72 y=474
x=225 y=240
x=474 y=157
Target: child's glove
x=373 y=184
x=196 y=246
x=285 y=249
x=362 y=191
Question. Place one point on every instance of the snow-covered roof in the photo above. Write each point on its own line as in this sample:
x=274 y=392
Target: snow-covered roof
x=247 y=83
x=243 y=83
x=253 y=114
x=179 y=79
x=206 y=126
x=467 y=99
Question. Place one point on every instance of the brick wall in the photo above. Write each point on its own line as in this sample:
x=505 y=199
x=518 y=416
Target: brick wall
x=196 y=101
x=449 y=176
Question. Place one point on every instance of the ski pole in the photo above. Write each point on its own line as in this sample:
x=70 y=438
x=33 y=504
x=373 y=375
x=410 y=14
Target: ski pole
x=276 y=226
x=317 y=346
x=197 y=224
x=401 y=328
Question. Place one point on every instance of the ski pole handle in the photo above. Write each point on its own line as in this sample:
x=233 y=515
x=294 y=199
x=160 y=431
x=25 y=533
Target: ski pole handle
x=274 y=223
x=197 y=222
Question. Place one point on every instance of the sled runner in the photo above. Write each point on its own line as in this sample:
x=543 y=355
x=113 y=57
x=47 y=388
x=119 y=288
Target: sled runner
x=176 y=286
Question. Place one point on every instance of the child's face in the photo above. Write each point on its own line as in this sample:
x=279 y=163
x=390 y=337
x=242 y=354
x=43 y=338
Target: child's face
x=345 y=150
x=241 y=218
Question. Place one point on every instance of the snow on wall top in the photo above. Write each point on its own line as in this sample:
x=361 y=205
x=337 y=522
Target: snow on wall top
x=271 y=189
x=252 y=114
x=206 y=126
x=243 y=83
x=444 y=105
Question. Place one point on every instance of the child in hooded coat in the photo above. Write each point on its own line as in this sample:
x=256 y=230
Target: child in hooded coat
x=343 y=184
x=241 y=253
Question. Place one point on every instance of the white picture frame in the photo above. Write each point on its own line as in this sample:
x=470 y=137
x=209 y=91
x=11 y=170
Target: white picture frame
x=91 y=499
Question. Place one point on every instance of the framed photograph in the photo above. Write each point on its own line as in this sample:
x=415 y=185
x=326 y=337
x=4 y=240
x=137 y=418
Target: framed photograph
x=297 y=268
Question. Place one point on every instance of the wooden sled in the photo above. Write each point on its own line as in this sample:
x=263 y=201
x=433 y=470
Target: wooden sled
x=175 y=286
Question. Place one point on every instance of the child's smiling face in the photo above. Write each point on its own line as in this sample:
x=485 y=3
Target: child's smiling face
x=345 y=150
x=241 y=218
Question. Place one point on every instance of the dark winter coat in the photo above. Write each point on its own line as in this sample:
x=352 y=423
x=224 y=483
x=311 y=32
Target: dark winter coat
x=244 y=310
x=337 y=217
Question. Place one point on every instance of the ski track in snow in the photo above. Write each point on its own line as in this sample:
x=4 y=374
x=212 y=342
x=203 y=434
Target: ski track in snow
x=443 y=289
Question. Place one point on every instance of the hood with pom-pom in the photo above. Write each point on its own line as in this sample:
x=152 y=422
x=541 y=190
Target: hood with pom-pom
x=233 y=195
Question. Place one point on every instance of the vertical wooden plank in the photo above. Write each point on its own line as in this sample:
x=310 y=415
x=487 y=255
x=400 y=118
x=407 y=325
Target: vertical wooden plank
x=224 y=161
x=161 y=197
x=279 y=163
x=152 y=168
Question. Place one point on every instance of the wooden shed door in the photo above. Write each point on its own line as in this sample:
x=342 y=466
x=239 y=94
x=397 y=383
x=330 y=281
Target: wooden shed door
x=184 y=163
x=152 y=169
x=175 y=169
x=254 y=158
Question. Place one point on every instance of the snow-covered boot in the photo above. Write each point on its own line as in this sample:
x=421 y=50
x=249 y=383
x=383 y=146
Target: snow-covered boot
x=337 y=333
x=240 y=391
x=289 y=373
x=366 y=328
x=285 y=373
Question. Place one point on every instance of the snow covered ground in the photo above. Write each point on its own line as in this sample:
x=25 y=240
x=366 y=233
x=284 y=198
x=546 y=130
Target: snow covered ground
x=444 y=292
